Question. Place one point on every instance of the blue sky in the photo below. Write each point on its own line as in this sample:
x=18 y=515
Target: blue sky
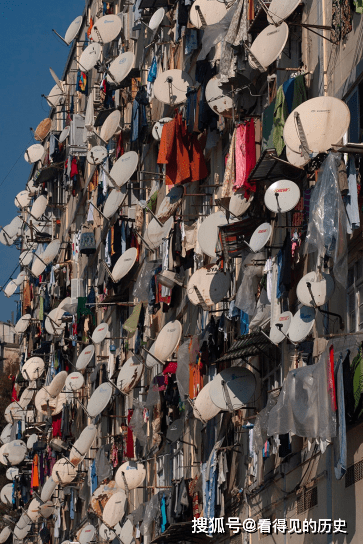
x=29 y=48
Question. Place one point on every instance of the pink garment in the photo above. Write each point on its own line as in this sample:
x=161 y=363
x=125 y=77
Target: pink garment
x=245 y=156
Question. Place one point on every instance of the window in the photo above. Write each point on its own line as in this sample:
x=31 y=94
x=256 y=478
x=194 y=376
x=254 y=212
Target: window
x=355 y=298
x=163 y=470
x=271 y=374
x=178 y=461
x=307 y=499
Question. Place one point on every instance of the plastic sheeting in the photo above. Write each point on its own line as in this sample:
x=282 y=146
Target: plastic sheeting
x=182 y=371
x=327 y=229
x=304 y=406
x=151 y=511
x=137 y=422
x=261 y=423
x=245 y=296
x=214 y=34
x=142 y=284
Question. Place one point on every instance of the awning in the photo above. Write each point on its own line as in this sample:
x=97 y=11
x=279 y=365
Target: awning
x=102 y=116
x=49 y=173
x=181 y=532
x=231 y=236
x=270 y=167
x=248 y=345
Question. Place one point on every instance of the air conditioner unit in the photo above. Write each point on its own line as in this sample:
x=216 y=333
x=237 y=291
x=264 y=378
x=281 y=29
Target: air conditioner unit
x=76 y=289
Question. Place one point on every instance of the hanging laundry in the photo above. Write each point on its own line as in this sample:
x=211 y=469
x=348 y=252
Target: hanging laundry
x=245 y=156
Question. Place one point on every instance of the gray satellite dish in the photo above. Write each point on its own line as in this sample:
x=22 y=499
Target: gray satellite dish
x=56 y=79
x=114 y=201
x=232 y=388
x=219 y=101
x=175 y=431
x=170 y=87
x=279 y=10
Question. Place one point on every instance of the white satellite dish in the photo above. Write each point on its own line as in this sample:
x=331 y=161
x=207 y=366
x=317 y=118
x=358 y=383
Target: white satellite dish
x=105 y=533
x=204 y=409
x=260 y=237
x=82 y=444
x=219 y=101
x=279 y=10
x=150 y=361
x=301 y=324
x=48 y=489
x=130 y=374
x=10 y=288
x=38 y=267
x=73 y=29
x=102 y=495
x=33 y=438
x=87 y=534
x=26 y=396
x=99 y=399
x=106 y=29
x=33 y=511
x=34 y=153
x=53 y=323
x=237 y=383
x=12 y=473
x=127 y=532
x=100 y=333
x=170 y=203
x=156 y=233
x=14 y=227
x=211 y=283
x=322 y=289
x=6 y=433
x=56 y=79
x=297 y=159
x=90 y=56
x=4 y=454
x=158 y=127
x=64 y=134
x=22 y=528
x=114 y=509
x=168 y=339
x=22 y=199
x=282 y=196
x=63 y=472
x=134 y=474
x=74 y=381
x=25 y=258
x=39 y=207
x=120 y=67
x=124 y=168
x=13 y=412
x=5 y=238
x=238 y=205
x=97 y=154
x=56 y=96
x=324 y=120
x=57 y=384
x=51 y=251
x=212 y=11
x=170 y=87
x=156 y=19
x=33 y=368
x=110 y=126
x=124 y=264
x=208 y=232
x=5 y=533
x=6 y=494
x=85 y=357
x=114 y=200
x=16 y=451
x=47 y=509
x=45 y=404
x=23 y=323
x=268 y=45
x=21 y=277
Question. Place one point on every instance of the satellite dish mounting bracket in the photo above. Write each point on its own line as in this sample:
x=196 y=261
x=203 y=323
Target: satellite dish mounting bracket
x=59 y=36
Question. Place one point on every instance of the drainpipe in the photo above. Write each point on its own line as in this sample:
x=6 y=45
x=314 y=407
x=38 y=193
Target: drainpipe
x=325 y=51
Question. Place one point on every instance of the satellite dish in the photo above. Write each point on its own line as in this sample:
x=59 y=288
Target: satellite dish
x=130 y=374
x=57 y=384
x=33 y=368
x=238 y=205
x=208 y=232
x=204 y=409
x=5 y=533
x=150 y=361
x=33 y=511
x=51 y=251
x=211 y=283
x=297 y=159
x=13 y=411
x=85 y=357
x=22 y=199
x=105 y=533
x=25 y=258
x=322 y=289
x=134 y=474
x=170 y=87
x=324 y=120
x=168 y=339
x=106 y=29
x=6 y=433
x=39 y=207
x=45 y=404
x=279 y=10
x=87 y=534
x=268 y=45
x=100 y=333
x=34 y=153
x=64 y=134
x=82 y=444
x=110 y=126
x=53 y=323
x=127 y=532
x=97 y=154
x=114 y=509
x=73 y=29
x=6 y=494
x=260 y=237
x=120 y=67
x=156 y=19
x=219 y=101
x=23 y=527
x=56 y=96
x=212 y=12
x=114 y=201
x=47 y=509
x=90 y=56
x=301 y=324
x=74 y=381
x=10 y=288
x=175 y=431
x=240 y=384
x=12 y=473
x=23 y=323
x=43 y=129
x=124 y=264
x=4 y=454
x=56 y=79
x=21 y=277
x=124 y=168
x=99 y=399
x=63 y=472
x=282 y=196
x=33 y=438
x=101 y=496
x=158 y=127
x=16 y=451
x=170 y=203
x=156 y=233
x=48 y=489
x=26 y=397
